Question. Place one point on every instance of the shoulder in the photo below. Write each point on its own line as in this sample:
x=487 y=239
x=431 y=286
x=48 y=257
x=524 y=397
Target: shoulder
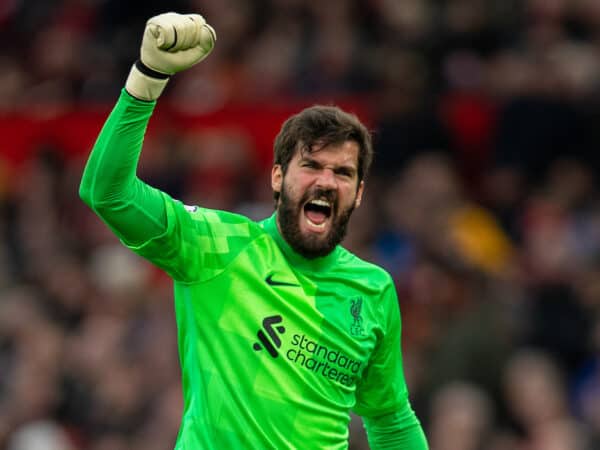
x=373 y=283
x=373 y=276
x=218 y=221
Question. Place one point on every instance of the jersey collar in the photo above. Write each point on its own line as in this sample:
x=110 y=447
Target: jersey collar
x=297 y=260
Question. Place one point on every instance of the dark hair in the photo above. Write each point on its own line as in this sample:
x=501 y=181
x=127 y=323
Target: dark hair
x=321 y=126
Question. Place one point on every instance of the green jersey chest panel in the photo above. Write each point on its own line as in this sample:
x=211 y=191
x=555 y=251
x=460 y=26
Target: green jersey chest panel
x=264 y=333
x=294 y=330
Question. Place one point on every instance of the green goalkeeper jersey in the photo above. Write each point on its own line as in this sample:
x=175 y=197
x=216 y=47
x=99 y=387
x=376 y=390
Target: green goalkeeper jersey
x=275 y=349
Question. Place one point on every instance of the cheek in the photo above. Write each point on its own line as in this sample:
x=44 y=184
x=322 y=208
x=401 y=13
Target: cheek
x=290 y=191
x=348 y=195
x=296 y=185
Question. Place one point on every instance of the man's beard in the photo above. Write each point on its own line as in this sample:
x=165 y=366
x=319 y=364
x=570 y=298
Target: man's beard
x=312 y=245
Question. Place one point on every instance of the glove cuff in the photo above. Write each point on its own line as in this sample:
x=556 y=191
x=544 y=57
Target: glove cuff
x=144 y=83
x=149 y=71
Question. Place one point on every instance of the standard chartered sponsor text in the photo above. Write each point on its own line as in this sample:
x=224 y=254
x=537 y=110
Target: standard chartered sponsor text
x=320 y=359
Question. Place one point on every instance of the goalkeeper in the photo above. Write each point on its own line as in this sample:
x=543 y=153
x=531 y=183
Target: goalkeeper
x=281 y=331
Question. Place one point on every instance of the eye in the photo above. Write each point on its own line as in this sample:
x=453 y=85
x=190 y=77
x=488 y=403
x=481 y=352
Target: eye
x=345 y=172
x=309 y=164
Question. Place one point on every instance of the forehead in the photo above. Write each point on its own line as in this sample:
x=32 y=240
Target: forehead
x=339 y=154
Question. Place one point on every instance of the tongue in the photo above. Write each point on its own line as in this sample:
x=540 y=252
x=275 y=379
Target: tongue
x=316 y=217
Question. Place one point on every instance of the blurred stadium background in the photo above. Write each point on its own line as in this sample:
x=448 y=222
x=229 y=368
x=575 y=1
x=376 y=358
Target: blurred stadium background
x=483 y=205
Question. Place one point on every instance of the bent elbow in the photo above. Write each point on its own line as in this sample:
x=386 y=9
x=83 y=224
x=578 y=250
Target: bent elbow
x=93 y=196
x=102 y=200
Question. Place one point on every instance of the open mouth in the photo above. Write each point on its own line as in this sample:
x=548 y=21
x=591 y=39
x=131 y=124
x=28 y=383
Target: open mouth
x=317 y=213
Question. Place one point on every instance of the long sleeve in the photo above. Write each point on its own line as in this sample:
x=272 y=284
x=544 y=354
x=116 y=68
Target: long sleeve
x=188 y=243
x=382 y=395
x=132 y=209
x=398 y=430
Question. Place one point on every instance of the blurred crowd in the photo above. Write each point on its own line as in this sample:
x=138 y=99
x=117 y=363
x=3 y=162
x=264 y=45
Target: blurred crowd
x=483 y=205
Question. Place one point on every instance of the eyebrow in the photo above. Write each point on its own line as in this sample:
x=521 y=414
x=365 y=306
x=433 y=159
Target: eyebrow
x=344 y=169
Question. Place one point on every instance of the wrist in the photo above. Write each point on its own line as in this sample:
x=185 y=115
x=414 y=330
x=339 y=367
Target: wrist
x=145 y=83
x=146 y=70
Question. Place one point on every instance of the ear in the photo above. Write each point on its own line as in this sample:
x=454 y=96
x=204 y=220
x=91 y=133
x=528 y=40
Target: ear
x=359 y=193
x=276 y=178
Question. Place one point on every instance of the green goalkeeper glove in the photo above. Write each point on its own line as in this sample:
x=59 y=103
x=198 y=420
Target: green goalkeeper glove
x=172 y=42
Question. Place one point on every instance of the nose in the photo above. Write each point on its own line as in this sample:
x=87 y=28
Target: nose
x=326 y=179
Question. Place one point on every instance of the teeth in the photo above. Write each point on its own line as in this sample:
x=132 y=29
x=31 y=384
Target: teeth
x=321 y=203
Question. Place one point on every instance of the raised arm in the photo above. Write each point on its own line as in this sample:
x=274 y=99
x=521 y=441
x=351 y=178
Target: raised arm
x=133 y=210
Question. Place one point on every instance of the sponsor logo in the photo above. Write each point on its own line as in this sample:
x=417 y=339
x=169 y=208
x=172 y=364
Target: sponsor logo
x=271 y=282
x=311 y=355
x=271 y=345
x=325 y=361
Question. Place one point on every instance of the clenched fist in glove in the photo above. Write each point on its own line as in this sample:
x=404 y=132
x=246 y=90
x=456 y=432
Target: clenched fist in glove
x=172 y=42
